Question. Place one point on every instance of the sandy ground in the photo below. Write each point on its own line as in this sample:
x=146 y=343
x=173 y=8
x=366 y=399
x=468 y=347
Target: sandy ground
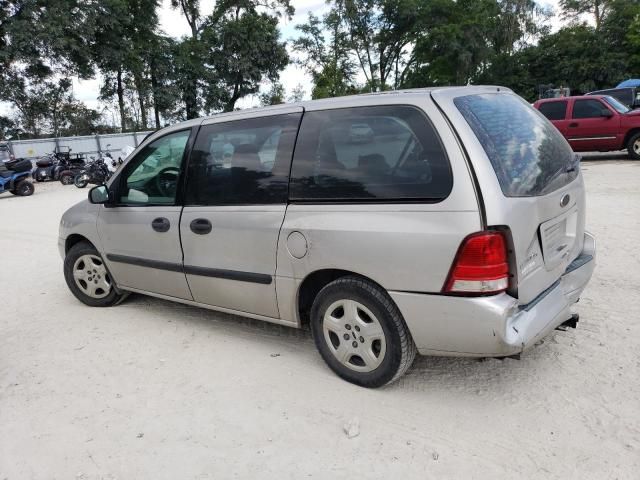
x=155 y=390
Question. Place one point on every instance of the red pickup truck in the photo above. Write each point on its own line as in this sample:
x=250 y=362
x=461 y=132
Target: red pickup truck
x=594 y=123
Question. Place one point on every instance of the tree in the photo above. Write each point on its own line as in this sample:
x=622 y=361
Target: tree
x=162 y=77
x=125 y=30
x=380 y=34
x=275 y=95
x=577 y=57
x=242 y=48
x=189 y=56
x=455 y=43
x=7 y=127
x=297 y=94
x=324 y=50
x=573 y=9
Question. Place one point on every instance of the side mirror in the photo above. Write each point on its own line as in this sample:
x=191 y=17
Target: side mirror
x=100 y=195
x=606 y=113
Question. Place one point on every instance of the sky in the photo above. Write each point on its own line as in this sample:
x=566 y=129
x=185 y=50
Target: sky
x=173 y=23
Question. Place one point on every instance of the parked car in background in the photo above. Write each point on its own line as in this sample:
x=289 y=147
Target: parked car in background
x=594 y=123
x=628 y=96
x=458 y=229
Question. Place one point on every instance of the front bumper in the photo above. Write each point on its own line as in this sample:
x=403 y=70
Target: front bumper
x=496 y=325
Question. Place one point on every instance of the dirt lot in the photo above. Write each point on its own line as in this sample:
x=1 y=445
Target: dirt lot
x=155 y=390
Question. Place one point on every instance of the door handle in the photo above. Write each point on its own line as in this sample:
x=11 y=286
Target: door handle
x=574 y=125
x=161 y=224
x=200 y=226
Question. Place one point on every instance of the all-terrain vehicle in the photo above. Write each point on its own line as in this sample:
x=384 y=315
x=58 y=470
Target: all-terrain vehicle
x=56 y=165
x=14 y=177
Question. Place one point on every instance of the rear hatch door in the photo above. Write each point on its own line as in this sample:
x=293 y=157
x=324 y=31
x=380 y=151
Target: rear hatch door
x=529 y=181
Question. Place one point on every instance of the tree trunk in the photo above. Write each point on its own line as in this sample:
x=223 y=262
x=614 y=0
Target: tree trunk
x=123 y=125
x=154 y=92
x=234 y=98
x=140 y=88
x=191 y=99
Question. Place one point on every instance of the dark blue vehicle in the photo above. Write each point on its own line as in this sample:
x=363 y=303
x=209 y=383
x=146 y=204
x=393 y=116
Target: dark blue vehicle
x=14 y=177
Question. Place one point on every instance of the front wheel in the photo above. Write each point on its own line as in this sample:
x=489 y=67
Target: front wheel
x=80 y=181
x=87 y=277
x=24 y=189
x=633 y=147
x=360 y=333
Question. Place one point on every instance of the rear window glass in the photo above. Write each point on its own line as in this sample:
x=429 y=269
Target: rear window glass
x=553 y=110
x=369 y=153
x=529 y=155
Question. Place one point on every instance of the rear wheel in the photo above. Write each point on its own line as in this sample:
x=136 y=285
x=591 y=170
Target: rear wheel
x=87 y=276
x=360 y=332
x=633 y=146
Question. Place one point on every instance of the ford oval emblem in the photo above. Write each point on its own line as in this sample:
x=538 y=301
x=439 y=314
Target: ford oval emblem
x=564 y=201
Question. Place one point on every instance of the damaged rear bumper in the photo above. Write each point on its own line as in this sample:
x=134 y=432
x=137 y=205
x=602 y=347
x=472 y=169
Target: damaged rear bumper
x=496 y=325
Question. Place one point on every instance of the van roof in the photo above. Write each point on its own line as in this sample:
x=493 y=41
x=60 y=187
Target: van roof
x=335 y=102
x=363 y=98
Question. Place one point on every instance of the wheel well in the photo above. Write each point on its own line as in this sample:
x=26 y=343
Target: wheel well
x=72 y=240
x=630 y=134
x=312 y=285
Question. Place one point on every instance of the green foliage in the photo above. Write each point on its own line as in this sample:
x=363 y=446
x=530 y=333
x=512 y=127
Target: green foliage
x=274 y=96
x=380 y=33
x=324 y=52
x=297 y=94
x=597 y=9
x=242 y=49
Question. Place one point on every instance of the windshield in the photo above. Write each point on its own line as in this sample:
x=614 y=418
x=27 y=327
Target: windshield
x=617 y=105
x=529 y=155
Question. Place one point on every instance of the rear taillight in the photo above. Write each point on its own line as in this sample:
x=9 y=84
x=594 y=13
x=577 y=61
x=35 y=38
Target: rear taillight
x=481 y=266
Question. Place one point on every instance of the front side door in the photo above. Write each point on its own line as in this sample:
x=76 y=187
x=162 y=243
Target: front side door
x=140 y=234
x=589 y=129
x=235 y=202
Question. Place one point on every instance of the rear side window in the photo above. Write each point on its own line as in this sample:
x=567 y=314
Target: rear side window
x=587 y=109
x=369 y=153
x=553 y=110
x=242 y=162
x=529 y=155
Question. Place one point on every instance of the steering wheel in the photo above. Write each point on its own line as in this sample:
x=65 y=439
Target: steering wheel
x=167 y=181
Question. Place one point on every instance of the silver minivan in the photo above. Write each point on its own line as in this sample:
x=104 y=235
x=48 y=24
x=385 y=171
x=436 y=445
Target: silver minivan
x=454 y=226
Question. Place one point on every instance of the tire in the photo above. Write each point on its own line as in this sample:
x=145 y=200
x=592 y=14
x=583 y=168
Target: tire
x=24 y=189
x=368 y=362
x=80 y=183
x=92 y=275
x=66 y=179
x=633 y=146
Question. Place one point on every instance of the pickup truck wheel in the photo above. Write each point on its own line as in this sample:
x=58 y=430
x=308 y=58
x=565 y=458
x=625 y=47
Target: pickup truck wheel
x=360 y=333
x=633 y=147
x=88 y=278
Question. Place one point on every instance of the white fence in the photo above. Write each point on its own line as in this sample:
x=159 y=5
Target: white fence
x=88 y=145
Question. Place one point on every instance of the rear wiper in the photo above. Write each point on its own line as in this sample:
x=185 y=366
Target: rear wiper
x=572 y=166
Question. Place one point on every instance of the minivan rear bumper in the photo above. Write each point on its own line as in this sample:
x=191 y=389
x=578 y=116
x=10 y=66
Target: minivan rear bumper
x=497 y=325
